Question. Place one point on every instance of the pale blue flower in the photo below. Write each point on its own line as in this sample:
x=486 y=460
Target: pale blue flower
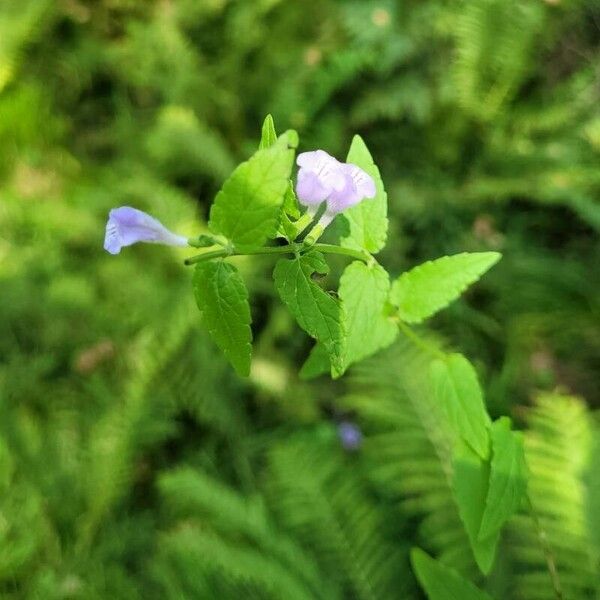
x=318 y=177
x=357 y=185
x=350 y=435
x=127 y=225
x=322 y=178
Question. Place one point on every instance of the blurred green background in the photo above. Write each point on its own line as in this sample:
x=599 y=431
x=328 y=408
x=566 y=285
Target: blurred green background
x=133 y=463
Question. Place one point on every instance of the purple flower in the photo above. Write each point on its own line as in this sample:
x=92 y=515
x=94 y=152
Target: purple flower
x=350 y=435
x=127 y=225
x=323 y=178
x=318 y=177
x=357 y=186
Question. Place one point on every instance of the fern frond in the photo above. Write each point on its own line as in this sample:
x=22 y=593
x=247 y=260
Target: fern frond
x=494 y=43
x=320 y=496
x=558 y=449
x=233 y=544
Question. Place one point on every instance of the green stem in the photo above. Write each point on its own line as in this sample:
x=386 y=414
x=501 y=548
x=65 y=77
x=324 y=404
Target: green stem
x=289 y=249
x=417 y=341
x=314 y=234
x=221 y=253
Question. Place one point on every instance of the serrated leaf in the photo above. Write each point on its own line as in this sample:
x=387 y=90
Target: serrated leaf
x=440 y=582
x=287 y=229
x=368 y=222
x=222 y=298
x=248 y=207
x=290 y=202
x=507 y=479
x=268 y=134
x=363 y=292
x=426 y=289
x=456 y=388
x=316 y=311
x=470 y=482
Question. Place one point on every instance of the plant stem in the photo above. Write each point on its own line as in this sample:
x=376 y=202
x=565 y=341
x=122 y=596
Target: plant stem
x=303 y=222
x=221 y=253
x=288 y=249
x=314 y=234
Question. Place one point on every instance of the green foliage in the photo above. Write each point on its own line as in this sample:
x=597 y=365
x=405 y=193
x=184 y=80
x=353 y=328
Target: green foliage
x=470 y=485
x=133 y=462
x=321 y=497
x=409 y=450
x=367 y=221
x=318 y=313
x=268 y=134
x=222 y=298
x=558 y=453
x=363 y=293
x=426 y=289
x=507 y=482
x=247 y=209
x=457 y=390
x=234 y=543
x=443 y=583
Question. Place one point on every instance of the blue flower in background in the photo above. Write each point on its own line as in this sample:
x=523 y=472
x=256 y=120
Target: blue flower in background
x=127 y=225
x=350 y=435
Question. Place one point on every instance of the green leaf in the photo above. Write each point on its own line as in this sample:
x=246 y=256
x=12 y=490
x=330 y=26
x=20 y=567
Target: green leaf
x=316 y=364
x=470 y=482
x=426 y=289
x=222 y=298
x=455 y=387
x=248 y=207
x=290 y=202
x=363 y=292
x=507 y=479
x=316 y=311
x=441 y=582
x=268 y=135
x=287 y=229
x=368 y=222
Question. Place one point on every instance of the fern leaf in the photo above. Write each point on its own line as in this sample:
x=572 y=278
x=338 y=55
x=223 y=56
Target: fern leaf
x=558 y=449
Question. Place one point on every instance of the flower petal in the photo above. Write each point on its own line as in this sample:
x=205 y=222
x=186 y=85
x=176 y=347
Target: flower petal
x=358 y=185
x=309 y=189
x=318 y=176
x=313 y=160
x=127 y=225
x=363 y=182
